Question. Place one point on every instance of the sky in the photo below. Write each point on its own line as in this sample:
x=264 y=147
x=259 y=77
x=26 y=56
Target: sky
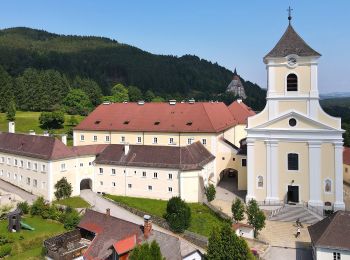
x=229 y=32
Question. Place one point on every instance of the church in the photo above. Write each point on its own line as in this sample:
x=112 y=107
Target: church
x=294 y=149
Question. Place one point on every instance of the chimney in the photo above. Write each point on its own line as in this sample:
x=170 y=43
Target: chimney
x=46 y=133
x=191 y=101
x=141 y=102
x=31 y=132
x=126 y=148
x=64 y=139
x=108 y=212
x=147 y=226
x=239 y=100
x=12 y=127
x=172 y=102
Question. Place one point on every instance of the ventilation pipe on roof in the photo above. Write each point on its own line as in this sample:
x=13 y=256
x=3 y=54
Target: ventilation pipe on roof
x=64 y=139
x=191 y=101
x=147 y=226
x=141 y=102
x=239 y=100
x=12 y=127
x=172 y=102
x=46 y=133
x=126 y=148
x=31 y=132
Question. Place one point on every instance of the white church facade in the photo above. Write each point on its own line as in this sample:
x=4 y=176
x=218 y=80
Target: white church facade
x=294 y=149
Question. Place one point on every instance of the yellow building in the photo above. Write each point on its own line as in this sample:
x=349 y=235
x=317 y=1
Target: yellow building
x=346 y=164
x=294 y=148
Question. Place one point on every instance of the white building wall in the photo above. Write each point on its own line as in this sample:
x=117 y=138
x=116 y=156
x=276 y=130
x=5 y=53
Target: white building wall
x=327 y=254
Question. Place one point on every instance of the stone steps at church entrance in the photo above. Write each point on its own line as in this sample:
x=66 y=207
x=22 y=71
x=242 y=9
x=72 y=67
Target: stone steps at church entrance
x=292 y=213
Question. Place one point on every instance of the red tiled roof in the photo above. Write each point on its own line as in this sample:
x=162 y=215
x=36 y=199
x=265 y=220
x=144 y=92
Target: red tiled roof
x=206 y=117
x=346 y=156
x=240 y=111
x=93 y=149
x=125 y=245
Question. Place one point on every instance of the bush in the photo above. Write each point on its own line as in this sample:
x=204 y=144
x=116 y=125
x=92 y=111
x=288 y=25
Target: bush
x=63 y=189
x=210 y=192
x=52 y=212
x=70 y=220
x=178 y=214
x=24 y=207
x=5 y=250
x=38 y=207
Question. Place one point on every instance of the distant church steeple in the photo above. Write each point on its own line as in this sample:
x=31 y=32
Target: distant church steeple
x=236 y=86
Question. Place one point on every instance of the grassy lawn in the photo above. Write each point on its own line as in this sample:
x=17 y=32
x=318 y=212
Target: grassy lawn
x=202 y=222
x=31 y=245
x=74 y=202
x=26 y=121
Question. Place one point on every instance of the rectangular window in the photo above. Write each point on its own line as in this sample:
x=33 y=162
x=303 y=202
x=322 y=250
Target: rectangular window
x=2 y=160
x=204 y=141
x=100 y=170
x=155 y=140
x=113 y=183
x=35 y=166
x=95 y=138
x=21 y=164
x=346 y=169
x=1 y=172
x=244 y=162
x=28 y=181
x=82 y=138
x=171 y=140
x=170 y=176
x=149 y=187
x=8 y=174
x=190 y=140
x=113 y=171
x=16 y=162
x=336 y=256
x=139 y=139
x=293 y=162
x=170 y=189
x=129 y=186
x=35 y=183
x=107 y=138
x=155 y=175
x=81 y=164
x=90 y=163
x=15 y=176
x=63 y=167
x=101 y=183
x=28 y=165
x=122 y=139
x=9 y=161
x=143 y=174
x=20 y=178
x=43 y=167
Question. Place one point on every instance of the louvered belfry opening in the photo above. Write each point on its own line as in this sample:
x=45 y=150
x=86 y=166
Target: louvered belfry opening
x=292 y=82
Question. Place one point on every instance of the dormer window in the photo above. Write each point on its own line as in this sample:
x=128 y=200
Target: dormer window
x=97 y=122
x=189 y=123
x=292 y=82
x=126 y=122
x=156 y=123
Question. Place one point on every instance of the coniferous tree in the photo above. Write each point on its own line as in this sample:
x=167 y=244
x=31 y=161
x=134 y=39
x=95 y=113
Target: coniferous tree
x=11 y=111
x=6 y=90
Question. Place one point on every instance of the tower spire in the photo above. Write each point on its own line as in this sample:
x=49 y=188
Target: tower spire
x=235 y=72
x=289 y=14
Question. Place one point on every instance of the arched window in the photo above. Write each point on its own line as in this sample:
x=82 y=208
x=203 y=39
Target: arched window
x=327 y=185
x=292 y=82
x=293 y=162
x=260 y=181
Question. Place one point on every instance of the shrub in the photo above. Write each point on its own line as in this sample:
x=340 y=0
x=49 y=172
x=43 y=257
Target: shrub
x=5 y=250
x=178 y=214
x=38 y=207
x=210 y=192
x=24 y=207
x=63 y=189
x=237 y=210
x=71 y=220
x=51 y=120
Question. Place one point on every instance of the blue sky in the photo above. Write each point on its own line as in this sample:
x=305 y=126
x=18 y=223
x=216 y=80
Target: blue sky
x=232 y=33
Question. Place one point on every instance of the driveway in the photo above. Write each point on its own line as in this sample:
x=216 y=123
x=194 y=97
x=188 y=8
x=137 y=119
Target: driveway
x=278 y=253
x=8 y=187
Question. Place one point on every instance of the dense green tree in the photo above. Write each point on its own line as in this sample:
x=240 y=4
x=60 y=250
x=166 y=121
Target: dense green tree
x=38 y=207
x=256 y=216
x=135 y=94
x=119 y=93
x=237 y=209
x=51 y=120
x=6 y=89
x=210 y=192
x=146 y=251
x=63 y=189
x=73 y=121
x=77 y=102
x=91 y=88
x=178 y=214
x=149 y=95
x=11 y=111
x=224 y=244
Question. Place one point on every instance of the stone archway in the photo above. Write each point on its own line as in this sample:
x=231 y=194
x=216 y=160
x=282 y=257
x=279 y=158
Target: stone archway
x=227 y=188
x=86 y=184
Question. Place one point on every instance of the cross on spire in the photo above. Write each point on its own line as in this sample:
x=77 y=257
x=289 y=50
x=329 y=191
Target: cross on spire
x=289 y=14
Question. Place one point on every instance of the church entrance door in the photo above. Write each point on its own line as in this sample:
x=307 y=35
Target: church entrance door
x=293 y=194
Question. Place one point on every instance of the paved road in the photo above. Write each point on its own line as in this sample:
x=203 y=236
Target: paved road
x=279 y=253
x=14 y=189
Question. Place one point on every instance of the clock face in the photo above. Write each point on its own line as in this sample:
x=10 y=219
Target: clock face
x=292 y=61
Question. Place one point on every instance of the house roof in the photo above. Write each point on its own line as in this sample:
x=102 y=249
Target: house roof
x=192 y=157
x=291 y=43
x=207 y=117
x=41 y=147
x=240 y=111
x=346 y=156
x=239 y=225
x=332 y=232
x=93 y=149
x=123 y=235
